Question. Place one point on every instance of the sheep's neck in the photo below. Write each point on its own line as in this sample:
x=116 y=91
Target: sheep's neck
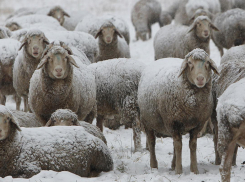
x=108 y=51
x=29 y=63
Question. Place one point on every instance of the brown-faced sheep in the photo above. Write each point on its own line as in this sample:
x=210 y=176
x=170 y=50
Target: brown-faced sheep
x=31 y=49
x=58 y=83
x=178 y=40
x=143 y=15
x=13 y=26
x=58 y=13
x=61 y=148
x=175 y=98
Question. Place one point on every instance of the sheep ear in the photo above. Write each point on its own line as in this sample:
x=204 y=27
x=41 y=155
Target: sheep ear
x=43 y=61
x=72 y=61
x=193 y=26
x=12 y=120
x=62 y=44
x=98 y=33
x=213 y=66
x=66 y=14
x=183 y=67
x=50 y=13
x=49 y=123
x=76 y=123
x=118 y=33
x=45 y=40
x=214 y=27
x=9 y=33
x=23 y=43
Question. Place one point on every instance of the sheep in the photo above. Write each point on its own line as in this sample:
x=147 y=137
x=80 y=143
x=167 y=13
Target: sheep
x=187 y=8
x=143 y=15
x=91 y=24
x=26 y=62
x=231 y=125
x=173 y=8
x=8 y=52
x=58 y=13
x=226 y=5
x=24 y=152
x=110 y=45
x=70 y=23
x=65 y=117
x=238 y=4
x=65 y=87
x=23 y=119
x=5 y=32
x=231 y=26
x=174 y=98
x=165 y=18
x=13 y=26
x=178 y=40
x=117 y=85
x=231 y=70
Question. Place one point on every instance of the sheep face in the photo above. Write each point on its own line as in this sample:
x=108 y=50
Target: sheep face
x=35 y=44
x=198 y=68
x=59 y=14
x=108 y=33
x=13 y=26
x=58 y=62
x=202 y=26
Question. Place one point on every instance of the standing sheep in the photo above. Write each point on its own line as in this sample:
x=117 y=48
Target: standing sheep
x=65 y=86
x=65 y=117
x=117 y=86
x=111 y=43
x=8 y=52
x=175 y=98
x=231 y=29
x=177 y=40
x=26 y=62
x=143 y=15
x=24 y=152
x=231 y=125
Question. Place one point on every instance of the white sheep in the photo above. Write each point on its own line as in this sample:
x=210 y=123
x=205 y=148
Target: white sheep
x=66 y=86
x=8 y=52
x=29 y=55
x=179 y=40
x=175 y=98
x=26 y=151
x=231 y=125
x=117 y=86
x=91 y=24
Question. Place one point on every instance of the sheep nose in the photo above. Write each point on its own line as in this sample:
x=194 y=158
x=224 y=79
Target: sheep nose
x=58 y=70
x=205 y=32
x=35 y=48
x=200 y=78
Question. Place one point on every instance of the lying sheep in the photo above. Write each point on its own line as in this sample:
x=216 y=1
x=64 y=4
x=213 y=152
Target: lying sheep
x=8 y=52
x=187 y=8
x=65 y=86
x=5 y=32
x=13 y=26
x=23 y=119
x=231 y=29
x=143 y=15
x=58 y=13
x=231 y=125
x=232 y=69
x=92 y=24
x=26 y=62
x=175 y=98
x=63 y=148
x=111 y=43
x=117 y=85
x=177 y=40
x=165 y=18
x=65 y=117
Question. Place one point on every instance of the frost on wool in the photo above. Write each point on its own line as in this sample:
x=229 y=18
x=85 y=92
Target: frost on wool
x=197 y=54
x=8 y=51
x=64 y=114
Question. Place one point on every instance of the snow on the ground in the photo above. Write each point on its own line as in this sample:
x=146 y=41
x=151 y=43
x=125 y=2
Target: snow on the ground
x=135 y=167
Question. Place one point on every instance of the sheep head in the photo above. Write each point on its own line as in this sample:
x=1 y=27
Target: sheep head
x=198 y=66
x=7 y=122
x=201 y=12
x=34 y=42
x=13 y=26
x=57 y=60
x=202 y=26
x=58 y=13
x=108 y=32
x=63 y=117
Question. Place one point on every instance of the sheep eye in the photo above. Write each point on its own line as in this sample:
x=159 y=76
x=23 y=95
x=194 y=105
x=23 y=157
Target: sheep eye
x=189 y=63
x=5 y=121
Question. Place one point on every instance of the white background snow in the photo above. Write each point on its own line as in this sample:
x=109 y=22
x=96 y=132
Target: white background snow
x=129 y=166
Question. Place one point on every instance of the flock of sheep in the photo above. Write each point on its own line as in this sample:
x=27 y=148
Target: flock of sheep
x=67 y=78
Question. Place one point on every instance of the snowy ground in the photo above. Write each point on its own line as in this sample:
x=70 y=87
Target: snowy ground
x=129 y=166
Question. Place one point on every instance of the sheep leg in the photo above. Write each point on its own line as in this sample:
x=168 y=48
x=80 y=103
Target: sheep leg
x=26 y=107
x=149 y=31
x=215 y=138
x=2 y=99
x=173 y=160
x=90 y=117
x=151 y=138
x=137 y=135
x=100 y=121
x=178 y=152
x=221 y=51
x=193 y=148
x=225 y=168
x=18 y=102
x=234 y=156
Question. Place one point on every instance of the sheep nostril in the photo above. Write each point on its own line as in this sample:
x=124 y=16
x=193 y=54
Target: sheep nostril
x=200 y=78
x=58 y=70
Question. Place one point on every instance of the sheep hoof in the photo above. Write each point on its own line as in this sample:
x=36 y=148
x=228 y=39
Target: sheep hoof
x=138 y=149
x=178 y=171
x=154 y=164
